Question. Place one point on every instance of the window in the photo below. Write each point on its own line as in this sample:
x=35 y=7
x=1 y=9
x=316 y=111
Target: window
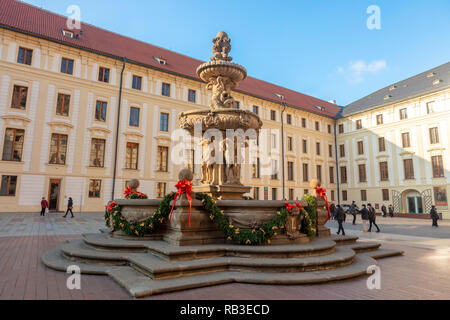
x=331 y=174
x=164 y=122
x=257 y=169
x=319 y=173
x=344 y=178
x=318 y=148
x=132 y=156
x=58 y=149
x=165 y=91
x=98 y=153
x=95 y=188
x=256 y=110
x=342 y=151
x=305 y=146
x=162 y=159
x=289 y=119
x=274 y=169
x=330 y=151
x=305 y=172
x=19 y=98
x=134 y=117
x=303 y=123
x=67 y=66
x=379 y=119
x=290 y=171
x=385 y=193
x=360 y=147
x=384 y=171
x=434 y=135
x=438 y=167
x=25 y=56
x=403 y=114
x=13 y=145
x=362 y=173
x=344 y=195
x=8 y=188
x=274 y=193
x=358 y=124
x=363 y=195
x=237 y=105
x=273 y=115
x=274 y=141
x=409 y=169
x=329 y=129
x=290 y=143
x=291 y=194
x=381 y=144
x=341 y=129
x=256 y=193
x=103 y=74
x=317 y=126
x=405 y=140
x=62 y=105
x=306 y=191
x=100 y=111
x=430 y=107
x=333 y=195
x=137 y=83
x=161 y=190
x=191 y=96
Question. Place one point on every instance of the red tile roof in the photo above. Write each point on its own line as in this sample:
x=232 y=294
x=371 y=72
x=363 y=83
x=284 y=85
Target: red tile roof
x=26 y=18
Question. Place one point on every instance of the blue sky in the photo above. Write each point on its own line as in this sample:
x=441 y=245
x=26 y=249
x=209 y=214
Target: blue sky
x=321 y=48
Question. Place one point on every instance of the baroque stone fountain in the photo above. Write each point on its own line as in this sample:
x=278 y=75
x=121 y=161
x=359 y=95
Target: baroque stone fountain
x=189 y=250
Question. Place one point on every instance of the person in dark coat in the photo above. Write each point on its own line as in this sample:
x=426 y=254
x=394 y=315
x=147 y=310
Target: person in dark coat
x=434 y=216
x=354 y=211
x=333 y=211
x=372 y=218
x=69 y=208
x=44 y=206
x=340 y=217
x=384 y=211
x=364 y=217
x=391 y=211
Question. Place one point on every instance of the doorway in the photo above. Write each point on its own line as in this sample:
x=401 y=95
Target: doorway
x=415 y=205
x=54 y=189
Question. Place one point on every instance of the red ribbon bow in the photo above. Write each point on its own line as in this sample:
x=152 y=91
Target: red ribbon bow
x=289 y=207
x=111 y=206
x=183 y=186
x=299 y=206
x=128 y=191
x=321 y=192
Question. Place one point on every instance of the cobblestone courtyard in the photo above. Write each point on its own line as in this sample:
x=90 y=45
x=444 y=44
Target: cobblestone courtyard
x=422 y=273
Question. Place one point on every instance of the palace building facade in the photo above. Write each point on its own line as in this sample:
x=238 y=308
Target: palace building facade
x=393 y=145
x=82 y=112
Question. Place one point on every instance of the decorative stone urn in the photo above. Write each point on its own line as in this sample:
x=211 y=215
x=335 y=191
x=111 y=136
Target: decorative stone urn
x=222 y=153
x=322 y=211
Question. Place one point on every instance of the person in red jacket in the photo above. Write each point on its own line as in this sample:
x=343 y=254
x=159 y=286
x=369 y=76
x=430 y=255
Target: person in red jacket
x=44 y=206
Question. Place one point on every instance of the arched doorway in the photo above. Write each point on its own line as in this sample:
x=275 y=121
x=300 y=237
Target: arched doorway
x=412 y=202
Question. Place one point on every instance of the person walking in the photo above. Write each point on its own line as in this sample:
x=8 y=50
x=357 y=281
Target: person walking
x=44 y=206
x=69 y=207
x=340 y=217
x=354 y=211
x=391 y=211
x=434 y=216
x=384 y=211
x=364 y=217
x=372 y=218
x=333 y=211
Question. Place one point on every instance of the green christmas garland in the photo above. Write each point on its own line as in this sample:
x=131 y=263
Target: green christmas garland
x=243 y=237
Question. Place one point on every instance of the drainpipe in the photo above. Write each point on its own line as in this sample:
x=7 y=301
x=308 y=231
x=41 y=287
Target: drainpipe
x=282 y=149
x=117 y=129
x=338 y=173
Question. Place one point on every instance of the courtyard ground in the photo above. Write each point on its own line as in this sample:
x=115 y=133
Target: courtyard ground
x=422 y=273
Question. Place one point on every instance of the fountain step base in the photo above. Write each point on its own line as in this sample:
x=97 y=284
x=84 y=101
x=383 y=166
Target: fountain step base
x=148 y=267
